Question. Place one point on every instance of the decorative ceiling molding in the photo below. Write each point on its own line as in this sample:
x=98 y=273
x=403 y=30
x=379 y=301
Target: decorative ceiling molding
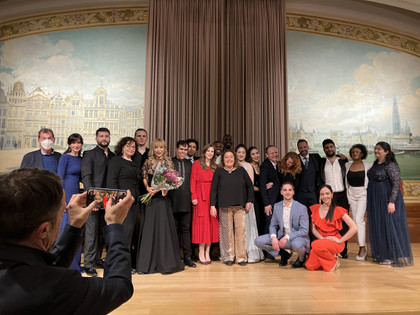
x=73 y=20
x=139 y=15
x=357 y=32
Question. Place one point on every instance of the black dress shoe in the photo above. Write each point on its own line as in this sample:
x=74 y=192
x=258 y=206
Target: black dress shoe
x=91 y=272
x=188 y=262
x=133 y=271
x=344 y=255
x=284 y=257
x=229 y=263
x=242 y=263
x=100 y=264
x=298 y=264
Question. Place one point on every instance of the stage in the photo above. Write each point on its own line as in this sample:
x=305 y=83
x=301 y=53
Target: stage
x=267 y=288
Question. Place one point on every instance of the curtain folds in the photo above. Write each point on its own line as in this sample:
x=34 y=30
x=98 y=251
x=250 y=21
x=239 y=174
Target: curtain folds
x=217 y=67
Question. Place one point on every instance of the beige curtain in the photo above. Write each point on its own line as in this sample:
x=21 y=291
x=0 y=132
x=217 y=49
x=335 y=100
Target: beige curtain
x=217 y=67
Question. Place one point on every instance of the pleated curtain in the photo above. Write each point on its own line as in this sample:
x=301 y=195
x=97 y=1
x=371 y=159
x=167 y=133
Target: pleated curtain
x=217 y=67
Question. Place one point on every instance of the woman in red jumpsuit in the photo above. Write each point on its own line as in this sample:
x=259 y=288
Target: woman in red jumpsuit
x=327 y=221
x=205 y=227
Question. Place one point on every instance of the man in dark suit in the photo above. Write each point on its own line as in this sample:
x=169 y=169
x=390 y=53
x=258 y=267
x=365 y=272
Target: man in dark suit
x=269 y=174
x=139 y=157
x=333 y=173
x=308 y=193
x=192 y=150
x=36 y=281
x=288 y=229
x=45 y=157
x=94 y=171
x=181 y=202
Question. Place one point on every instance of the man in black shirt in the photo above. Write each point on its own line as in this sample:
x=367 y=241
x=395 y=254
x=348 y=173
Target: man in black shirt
x=94 y=171
x=181 y=201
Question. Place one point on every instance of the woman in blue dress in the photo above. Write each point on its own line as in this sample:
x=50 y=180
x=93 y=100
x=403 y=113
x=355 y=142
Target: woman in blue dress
x=69 y=169
x=388 y=229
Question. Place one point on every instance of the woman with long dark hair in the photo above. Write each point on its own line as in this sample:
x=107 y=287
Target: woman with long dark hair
x=123 y=174
x=69 y=169
x=253 y=158
x=327 y=221
x=388 y=229
x=254 y=253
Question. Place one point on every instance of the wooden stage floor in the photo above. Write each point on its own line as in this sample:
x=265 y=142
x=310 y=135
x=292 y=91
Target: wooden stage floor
x=267 y=288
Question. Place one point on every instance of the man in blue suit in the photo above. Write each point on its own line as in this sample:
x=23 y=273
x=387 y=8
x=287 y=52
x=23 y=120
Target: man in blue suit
x=288 y=229
x=46 y=157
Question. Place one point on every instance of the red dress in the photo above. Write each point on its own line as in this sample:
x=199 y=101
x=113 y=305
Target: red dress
x=323 y=250
x=205 y=228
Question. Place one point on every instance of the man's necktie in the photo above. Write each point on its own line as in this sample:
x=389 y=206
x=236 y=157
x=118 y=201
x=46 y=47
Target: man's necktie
x=306 y=162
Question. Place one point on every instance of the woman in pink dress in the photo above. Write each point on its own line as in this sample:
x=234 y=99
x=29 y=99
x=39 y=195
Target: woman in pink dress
x=205 y=227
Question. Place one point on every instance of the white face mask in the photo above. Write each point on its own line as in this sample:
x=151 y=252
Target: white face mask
x=47 y=144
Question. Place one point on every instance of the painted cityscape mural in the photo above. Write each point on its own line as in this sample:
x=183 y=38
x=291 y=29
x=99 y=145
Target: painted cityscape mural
x=71 y=81
x=354 y=92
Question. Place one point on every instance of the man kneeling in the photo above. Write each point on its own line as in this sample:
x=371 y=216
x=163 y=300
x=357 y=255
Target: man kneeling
x=288 y=229
x=38 y=281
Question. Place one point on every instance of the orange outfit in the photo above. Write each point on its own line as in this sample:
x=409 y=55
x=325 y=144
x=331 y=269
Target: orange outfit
x=323 y=250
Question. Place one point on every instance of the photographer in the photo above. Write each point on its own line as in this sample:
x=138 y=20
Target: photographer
x=36 y=280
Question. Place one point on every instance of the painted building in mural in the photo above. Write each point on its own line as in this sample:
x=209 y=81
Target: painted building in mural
x=23 y=114
x=401 y=138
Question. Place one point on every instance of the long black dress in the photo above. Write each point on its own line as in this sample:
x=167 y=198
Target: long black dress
x=389 y=236
x=158 y=241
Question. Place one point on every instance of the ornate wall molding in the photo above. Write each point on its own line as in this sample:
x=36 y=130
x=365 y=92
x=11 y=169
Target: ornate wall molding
x=73 y=20
x=139 y=15
x=358 y=32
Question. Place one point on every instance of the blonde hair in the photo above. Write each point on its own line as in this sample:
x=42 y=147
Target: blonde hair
x=152 y=157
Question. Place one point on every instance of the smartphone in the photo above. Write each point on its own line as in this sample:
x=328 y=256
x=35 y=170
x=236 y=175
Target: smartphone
x=103 y=195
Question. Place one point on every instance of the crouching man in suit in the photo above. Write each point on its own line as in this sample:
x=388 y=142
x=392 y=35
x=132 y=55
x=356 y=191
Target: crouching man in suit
x=288 y=229
x=35 y=279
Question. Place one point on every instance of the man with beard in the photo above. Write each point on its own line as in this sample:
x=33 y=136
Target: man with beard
x=192 y=149
x=227 y=142
x=333 y=173
x=46 y=157
x=139 y=157
x=218 y=150
x=94 y=171
x=308 y=189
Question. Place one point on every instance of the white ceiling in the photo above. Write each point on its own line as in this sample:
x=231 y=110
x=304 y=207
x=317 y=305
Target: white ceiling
x=398 y=15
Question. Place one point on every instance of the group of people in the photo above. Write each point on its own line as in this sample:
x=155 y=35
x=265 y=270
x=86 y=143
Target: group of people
x=253 y=211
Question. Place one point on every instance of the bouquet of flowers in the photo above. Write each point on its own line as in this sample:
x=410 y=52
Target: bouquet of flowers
x=164 y=178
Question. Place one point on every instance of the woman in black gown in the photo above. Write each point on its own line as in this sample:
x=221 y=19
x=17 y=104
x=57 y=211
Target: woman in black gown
x=158 y=241
x=253 y=157
x=388 y=229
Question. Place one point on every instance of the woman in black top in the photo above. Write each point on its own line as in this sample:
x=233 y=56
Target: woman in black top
x=356 y=186
x=253 y=157
x=232 y=191
x=123 y=174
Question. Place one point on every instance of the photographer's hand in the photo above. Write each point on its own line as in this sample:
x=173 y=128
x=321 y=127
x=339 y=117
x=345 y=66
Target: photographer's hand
x=117 y=213
x=78 y=212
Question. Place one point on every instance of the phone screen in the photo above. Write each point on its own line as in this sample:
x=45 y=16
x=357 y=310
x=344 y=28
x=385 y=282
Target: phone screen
x=103 y=195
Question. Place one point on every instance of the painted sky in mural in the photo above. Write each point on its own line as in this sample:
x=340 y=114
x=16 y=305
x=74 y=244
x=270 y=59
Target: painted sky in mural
x=79 y=60
x=351 y=85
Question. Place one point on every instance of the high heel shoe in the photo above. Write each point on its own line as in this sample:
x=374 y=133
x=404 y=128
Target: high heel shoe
x=361 y=258
x=203 y=262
